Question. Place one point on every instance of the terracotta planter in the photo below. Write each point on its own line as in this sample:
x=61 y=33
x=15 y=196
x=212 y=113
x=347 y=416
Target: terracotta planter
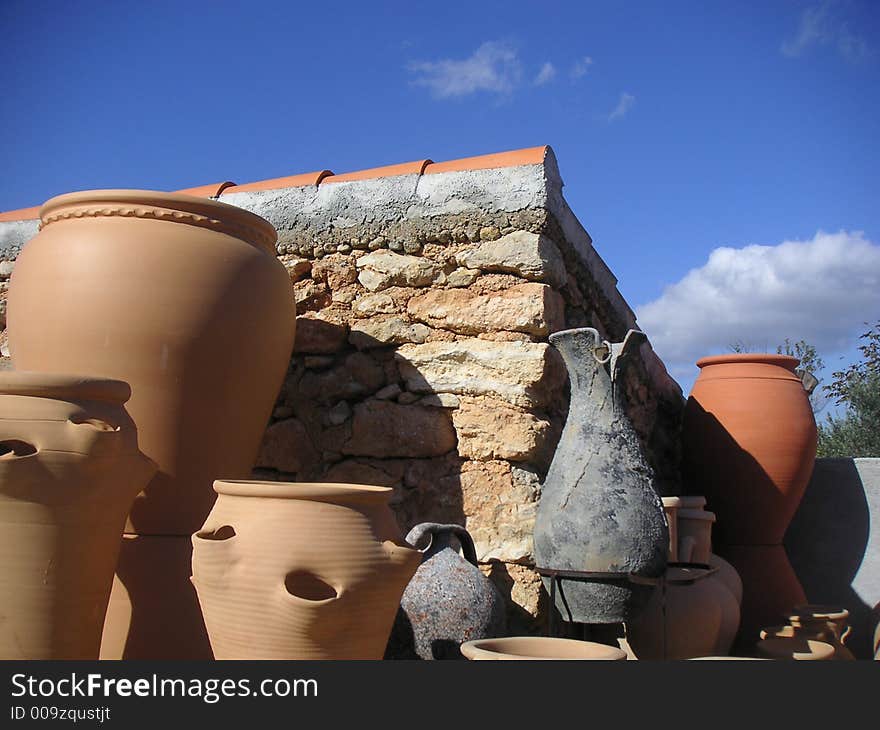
x=700 y=618
x=69 y=470
x=183 y=298
x=749 y=444
x=539 y=647
x=300 y=570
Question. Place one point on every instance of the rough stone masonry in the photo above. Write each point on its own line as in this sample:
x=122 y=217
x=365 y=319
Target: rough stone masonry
x=421 y=360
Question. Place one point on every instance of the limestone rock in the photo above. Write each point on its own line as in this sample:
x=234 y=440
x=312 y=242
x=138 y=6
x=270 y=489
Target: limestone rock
x=311 y=296
x=378 y=303
x=488 y=429
x=529 y=255
x=287 y=447
x=532 y=308
x=386 y=429
x=297 y=268
x=336 y=271
x=462 y=277
x=523 y=373
x=375 y=472
x=319 y=337
x=6 y=268
x=440 y=400
x=381 y=269
x=500 y=510
x=375 y=332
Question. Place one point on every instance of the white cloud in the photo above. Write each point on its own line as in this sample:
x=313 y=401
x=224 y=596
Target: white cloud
x=493 y=67
x=819 y=25
x=546 y=74
x=821 y=291
x=581 y=67
x=624 y=104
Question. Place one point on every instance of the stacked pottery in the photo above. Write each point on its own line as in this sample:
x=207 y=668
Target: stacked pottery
x=539 y=648
x=695 y=611
x=749 y=444
x=300 y=570
x=69 y=470
x=448 y=601
x=827 y=624
x=183 y=298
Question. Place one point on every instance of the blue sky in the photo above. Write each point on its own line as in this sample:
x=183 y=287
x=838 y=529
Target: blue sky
x=680 y=128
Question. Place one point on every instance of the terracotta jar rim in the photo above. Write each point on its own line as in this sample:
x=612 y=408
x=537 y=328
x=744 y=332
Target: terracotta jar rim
x=763 y=358
x=311 y=491
x=159 y=205
x=540 y=647
x=62 y=386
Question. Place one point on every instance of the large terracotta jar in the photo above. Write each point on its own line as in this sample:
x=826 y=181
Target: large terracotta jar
x=300 y=570
x=184 y=299
x=69 y=470
x=749 y=444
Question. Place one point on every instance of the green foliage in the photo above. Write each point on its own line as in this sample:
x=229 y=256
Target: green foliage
x=810 y=364
x=857 y=432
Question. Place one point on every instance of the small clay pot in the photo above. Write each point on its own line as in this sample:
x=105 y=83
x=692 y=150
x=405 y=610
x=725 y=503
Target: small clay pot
x=69 y=470
x=701 y=617
x=300 y=570
x=824 y=623
x=540 y=648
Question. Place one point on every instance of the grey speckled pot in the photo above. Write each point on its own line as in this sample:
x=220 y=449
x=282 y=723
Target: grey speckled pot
x=448 y=601
x=599 y=511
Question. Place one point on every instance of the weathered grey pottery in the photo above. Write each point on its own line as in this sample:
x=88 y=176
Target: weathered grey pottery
x=448 y=601
x=599 y=514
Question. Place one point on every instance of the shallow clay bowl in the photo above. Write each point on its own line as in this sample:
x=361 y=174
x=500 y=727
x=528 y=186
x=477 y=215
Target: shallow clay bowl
x=539 y=648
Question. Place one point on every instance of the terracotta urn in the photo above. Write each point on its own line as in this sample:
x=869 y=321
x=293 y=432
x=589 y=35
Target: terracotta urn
x=300 y=570
x=749 y=444
x=600 y=522
x=69 y=470
x=448 y=601
x=692 y=614
x=539 y=648
x=184 y=299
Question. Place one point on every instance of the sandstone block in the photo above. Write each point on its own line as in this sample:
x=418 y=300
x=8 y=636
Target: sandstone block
x=522 y=373
x=381 y=269
x=376 y=332
x=532 y=308
x=384 y=429
x=488 y=428
x=287 y=447
x=532 y=256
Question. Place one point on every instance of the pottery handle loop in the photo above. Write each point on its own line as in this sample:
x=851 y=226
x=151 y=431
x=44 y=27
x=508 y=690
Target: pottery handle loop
x=16 y=449
x=417 y=534
x=808 y=380
x=846 y=632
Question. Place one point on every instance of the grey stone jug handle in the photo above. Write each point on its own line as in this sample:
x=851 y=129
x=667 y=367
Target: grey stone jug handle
x=416 y=536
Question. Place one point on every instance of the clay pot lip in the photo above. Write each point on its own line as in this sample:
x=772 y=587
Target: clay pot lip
x=784 y=647
x=63 y=386
x=545 y=648
x=761 y=358
x=223 y=213
x=681 y=501
x=696 y=514
x=818 y=612
x=311 y=491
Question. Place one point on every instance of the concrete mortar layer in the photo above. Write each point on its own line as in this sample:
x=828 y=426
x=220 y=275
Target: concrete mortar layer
x=421 y=361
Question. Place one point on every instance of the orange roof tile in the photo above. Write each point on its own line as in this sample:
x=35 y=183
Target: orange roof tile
x=513 y=158
x=293 y=181
x=22 y=214
x=207 y=191
x=404 y=168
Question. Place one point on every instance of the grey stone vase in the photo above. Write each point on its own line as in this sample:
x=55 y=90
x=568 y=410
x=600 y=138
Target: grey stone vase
x=599 y=512
x=448 y=601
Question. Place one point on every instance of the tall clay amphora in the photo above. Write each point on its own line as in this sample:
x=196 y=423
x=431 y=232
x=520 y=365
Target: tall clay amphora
x=599 y=512
x=300 y=570
x=69 y=470
x=749 y=445
x=185 y=299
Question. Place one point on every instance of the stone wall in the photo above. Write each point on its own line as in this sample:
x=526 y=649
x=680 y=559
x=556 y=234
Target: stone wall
x=421 y=360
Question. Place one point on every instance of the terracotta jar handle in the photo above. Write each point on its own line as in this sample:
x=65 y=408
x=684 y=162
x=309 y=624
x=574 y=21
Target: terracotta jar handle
x=16 y=449
x=417 y=535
